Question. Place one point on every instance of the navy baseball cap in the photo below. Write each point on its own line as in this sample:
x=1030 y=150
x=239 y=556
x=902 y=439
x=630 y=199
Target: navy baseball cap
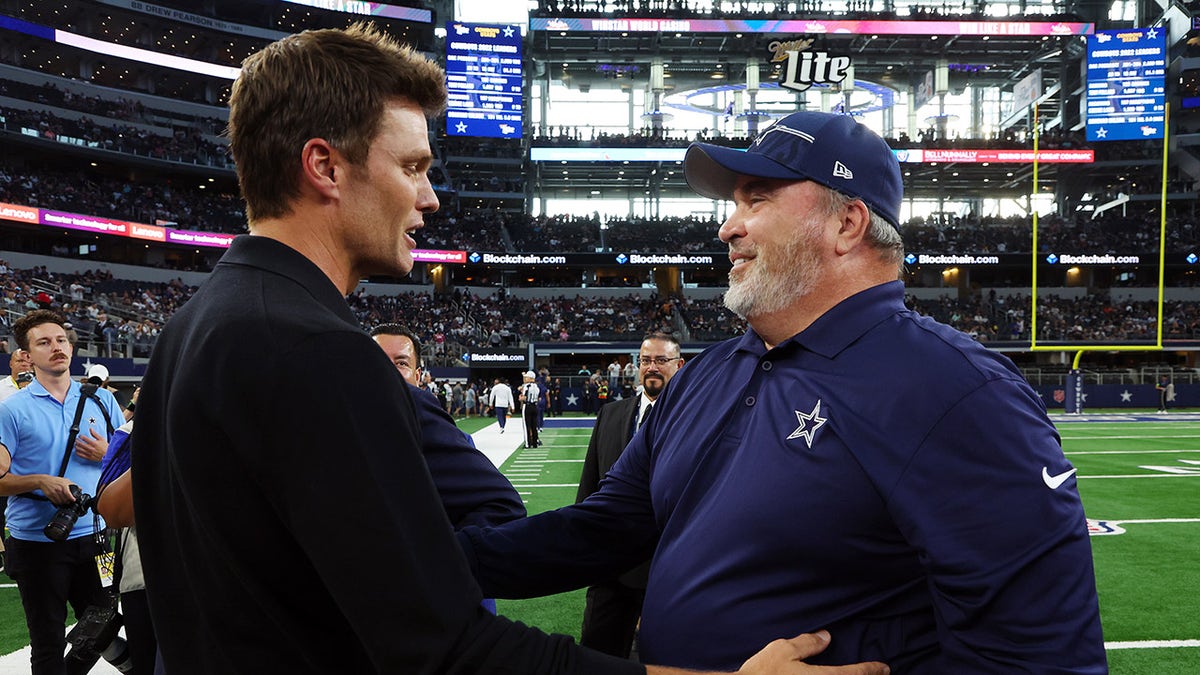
x=833 y=150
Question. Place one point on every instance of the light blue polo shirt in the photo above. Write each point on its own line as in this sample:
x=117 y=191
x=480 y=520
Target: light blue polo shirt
x=34 y=427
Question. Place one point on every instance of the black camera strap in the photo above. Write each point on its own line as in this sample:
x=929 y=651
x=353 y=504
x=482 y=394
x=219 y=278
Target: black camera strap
x=86 y=391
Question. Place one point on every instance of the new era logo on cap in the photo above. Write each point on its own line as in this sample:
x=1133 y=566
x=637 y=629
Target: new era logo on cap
x=806 y=146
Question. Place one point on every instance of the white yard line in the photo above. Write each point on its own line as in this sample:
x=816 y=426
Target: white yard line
x=1127 y=452
x=1152 y=644
x=1147 y=475
x=1123 y=438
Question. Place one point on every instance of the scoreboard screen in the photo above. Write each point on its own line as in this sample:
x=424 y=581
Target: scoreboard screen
x=483 y=79
x=1126 y=84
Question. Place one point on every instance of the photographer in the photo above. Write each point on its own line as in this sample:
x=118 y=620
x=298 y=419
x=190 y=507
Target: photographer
x=40 y=461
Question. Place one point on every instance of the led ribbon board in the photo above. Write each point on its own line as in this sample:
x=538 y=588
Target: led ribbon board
x=812 y=27
x=483 y=78
x=1126 y=89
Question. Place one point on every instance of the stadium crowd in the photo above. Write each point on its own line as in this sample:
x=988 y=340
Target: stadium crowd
x=121 y=316
x=929 y=138
x=218 y=210
x=151 y=201
x=182 y=145
x=120 y=108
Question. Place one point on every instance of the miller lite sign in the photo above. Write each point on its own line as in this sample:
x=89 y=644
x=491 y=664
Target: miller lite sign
x=806 y=67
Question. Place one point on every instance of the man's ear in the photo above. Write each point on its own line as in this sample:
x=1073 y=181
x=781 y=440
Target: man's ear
x=321 y=167
x=855 y=221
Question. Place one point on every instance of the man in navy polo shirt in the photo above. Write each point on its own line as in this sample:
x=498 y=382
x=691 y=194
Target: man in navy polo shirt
x=34 y=434
x=846 y=464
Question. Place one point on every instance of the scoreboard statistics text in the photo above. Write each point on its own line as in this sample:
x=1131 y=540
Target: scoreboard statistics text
x=483 y=78
x=1126 y=84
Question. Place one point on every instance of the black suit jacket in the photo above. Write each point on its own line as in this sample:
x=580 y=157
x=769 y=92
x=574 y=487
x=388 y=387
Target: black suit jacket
x=271 y=502
x=614 y=428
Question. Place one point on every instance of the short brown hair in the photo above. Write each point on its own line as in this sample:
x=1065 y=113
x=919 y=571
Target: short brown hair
x=32 y=320
x=331 y=84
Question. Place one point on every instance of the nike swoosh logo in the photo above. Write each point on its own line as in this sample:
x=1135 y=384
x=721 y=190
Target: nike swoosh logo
x=1053 y=482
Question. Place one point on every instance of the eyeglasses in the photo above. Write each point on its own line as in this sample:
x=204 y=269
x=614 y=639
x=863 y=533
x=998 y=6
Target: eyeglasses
x=659 y=361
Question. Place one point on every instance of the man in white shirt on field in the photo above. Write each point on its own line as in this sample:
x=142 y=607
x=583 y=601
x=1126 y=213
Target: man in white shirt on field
x=501 y=399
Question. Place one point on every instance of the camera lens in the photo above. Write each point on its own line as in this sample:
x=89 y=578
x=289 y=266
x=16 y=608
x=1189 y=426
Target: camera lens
x=64 y=519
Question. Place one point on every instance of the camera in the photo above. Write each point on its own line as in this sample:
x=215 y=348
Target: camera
x=96 y=636
x=24 y=377
x=64 y=519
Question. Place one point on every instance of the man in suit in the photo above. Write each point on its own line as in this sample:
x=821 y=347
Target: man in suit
x=612 y=611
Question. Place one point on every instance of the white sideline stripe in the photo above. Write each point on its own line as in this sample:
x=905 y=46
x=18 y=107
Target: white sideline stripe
x=1147 y=475
x=8 y=585
x=1152 y=644
x=1127 y=452
x=1118 y=438
x=566 y=461
x=494 y=445
x=1152 y=521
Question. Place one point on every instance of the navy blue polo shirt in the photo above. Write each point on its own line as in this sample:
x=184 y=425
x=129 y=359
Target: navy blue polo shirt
x=472 y=489
x=879 y=475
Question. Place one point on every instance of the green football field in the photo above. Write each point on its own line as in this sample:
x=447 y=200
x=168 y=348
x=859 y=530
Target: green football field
x=1140 y=482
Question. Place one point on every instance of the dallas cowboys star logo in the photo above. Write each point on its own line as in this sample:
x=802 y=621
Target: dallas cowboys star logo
x=809 y=423
x=572 y=399
x=508 y=31
x=461 y=127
